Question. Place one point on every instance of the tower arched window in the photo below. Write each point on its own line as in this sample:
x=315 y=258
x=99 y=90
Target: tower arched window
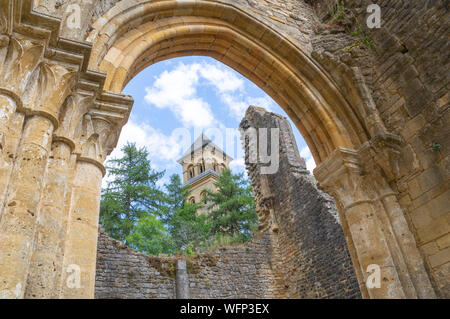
x=204 y=197
x=191 y=171
x=202 y=167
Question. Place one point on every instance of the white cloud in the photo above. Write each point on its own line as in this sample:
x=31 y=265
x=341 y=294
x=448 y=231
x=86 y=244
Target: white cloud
x=236 y=106
x=265 y=102
x=224 y=80
x=238 y=164
x=159 y=145
x=306 y=154
x=238 y=102
x=177 y=90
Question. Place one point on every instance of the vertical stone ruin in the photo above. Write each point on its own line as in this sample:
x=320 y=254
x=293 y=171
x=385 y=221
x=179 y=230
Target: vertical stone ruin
x=306 y=232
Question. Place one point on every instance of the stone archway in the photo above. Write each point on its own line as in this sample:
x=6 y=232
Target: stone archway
x=232 y=36
x=54 y=218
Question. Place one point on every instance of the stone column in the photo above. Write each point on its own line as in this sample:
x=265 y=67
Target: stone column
x=408 y=246
x=379 y=158
x=18 y=57
x=11 y=124
x=51 y=226
x=341 y=176
x=185 y=175
x=78 y=272
x=46 y=263
x=44 y=91
x=17 y=223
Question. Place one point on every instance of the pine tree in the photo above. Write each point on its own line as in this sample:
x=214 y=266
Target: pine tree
x=176 y=194
x=131 y=194
x=232 y=207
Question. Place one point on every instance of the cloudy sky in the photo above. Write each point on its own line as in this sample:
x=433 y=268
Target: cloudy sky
x=178 y=99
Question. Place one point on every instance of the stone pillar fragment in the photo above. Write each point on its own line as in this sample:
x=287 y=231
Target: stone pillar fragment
x=310 y=256
x=182 y=280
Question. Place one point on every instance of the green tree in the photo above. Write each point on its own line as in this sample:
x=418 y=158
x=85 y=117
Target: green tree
x=150 y=236
x=232 y=207
x=176 y=194
x=131 y=194
x=189 y=229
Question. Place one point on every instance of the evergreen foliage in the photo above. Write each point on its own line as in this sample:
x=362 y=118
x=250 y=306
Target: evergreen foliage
x=137 y=212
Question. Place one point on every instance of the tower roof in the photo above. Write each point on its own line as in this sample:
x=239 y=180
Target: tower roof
x=200 y=143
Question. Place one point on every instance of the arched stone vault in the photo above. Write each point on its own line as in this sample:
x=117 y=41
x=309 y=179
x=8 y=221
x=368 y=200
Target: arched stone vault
x=62 y=113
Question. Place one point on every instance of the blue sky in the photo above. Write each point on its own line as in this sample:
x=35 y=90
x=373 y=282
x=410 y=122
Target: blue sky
x=177 y=99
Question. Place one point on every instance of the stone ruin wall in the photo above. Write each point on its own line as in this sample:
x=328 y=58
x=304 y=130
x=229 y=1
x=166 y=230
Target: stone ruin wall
x=315 y=261
x=405 y=73
x=304 y=257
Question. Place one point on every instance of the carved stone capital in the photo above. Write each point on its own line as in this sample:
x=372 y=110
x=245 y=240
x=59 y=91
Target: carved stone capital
x=341 y=175
x=71 y=118
x=383 y=151
x=47 y=94
x=19 y=59
x=98 y=139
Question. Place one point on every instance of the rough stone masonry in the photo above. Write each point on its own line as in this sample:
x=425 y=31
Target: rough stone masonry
x=300 y=251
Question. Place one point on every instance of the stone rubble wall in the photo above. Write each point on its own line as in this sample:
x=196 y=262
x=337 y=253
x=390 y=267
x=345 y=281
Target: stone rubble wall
x=126 y=273
x=241 y=271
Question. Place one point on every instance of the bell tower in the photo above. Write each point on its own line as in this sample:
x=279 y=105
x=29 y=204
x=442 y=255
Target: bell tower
x=202 y=164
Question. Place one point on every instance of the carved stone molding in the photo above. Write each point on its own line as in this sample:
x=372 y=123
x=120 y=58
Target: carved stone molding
x=341 y=176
